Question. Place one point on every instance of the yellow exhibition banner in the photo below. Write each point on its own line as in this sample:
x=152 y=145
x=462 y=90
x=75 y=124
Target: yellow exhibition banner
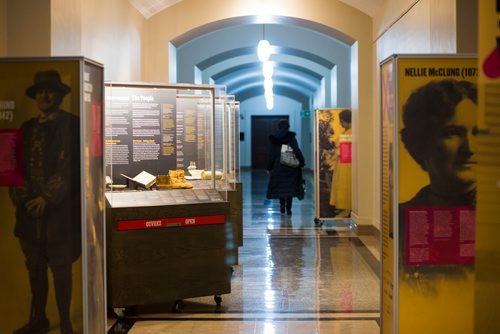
x=40 y=236
x=332 y=163
x=487 y=287
x=429 y=181
x=437 y=161
x=387 y=196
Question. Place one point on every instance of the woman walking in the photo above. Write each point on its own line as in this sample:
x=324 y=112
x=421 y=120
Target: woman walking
x=285 y=182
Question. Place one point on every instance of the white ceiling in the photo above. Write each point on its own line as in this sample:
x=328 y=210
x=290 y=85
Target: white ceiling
x=149 y=8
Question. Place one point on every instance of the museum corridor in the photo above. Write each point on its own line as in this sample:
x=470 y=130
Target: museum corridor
x=292 y=277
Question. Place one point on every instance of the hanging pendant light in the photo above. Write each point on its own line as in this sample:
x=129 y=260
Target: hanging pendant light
x=263 y=48
x=267 y=69
x=263 y=53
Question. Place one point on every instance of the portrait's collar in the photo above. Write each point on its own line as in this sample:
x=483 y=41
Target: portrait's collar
x=466 y=198
x=48 y=117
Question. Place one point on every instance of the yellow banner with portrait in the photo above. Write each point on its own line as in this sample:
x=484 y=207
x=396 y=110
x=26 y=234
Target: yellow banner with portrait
x=487 y=303
x=436 y=192
x=40 y=234
x=333 y=159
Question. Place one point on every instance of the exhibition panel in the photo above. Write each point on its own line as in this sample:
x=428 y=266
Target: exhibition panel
x=154 y=129
x=428 y=191
x=332 y=163
x=52 y=195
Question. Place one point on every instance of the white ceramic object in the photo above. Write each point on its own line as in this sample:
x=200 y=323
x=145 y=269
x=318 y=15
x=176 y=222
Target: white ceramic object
x=195 y=173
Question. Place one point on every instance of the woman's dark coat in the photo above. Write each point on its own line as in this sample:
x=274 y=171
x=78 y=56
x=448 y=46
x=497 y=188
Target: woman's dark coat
x=284 y=181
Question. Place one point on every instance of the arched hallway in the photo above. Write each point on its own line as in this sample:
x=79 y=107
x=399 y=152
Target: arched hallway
x=292 y=277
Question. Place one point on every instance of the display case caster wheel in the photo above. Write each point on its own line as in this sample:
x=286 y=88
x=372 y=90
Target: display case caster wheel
x=177 y=306
x=120 y=312
x=318 y=222
x=218 y=300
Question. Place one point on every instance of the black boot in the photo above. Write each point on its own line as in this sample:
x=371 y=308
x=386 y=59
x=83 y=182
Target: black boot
x=34 y=326
x=63 y=286
x=39 y=286
x=289 y=205
x=282 y=205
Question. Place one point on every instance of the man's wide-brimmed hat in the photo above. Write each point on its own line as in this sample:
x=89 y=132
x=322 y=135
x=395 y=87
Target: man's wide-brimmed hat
x=47 y=79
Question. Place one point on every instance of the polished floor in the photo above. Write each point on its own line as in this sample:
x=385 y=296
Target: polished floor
x=292 y=277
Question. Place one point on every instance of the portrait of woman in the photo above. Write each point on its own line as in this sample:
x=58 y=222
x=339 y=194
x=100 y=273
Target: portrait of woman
x=439 y=132
x=341 y=192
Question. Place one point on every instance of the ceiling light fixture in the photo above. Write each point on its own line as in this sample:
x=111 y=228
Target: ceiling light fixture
x=263 y=53
x=268 y=84
x=267 y=69
x=263 y=48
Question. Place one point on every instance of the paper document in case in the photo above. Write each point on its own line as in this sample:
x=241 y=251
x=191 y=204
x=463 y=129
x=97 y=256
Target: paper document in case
x=143 y=178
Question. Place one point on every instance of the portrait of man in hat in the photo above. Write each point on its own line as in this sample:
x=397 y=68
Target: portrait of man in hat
x=48 y=210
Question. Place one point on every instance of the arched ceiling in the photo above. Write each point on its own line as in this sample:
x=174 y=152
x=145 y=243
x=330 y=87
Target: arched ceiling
x=309 y=59
x=240 y=70
x=149 y=8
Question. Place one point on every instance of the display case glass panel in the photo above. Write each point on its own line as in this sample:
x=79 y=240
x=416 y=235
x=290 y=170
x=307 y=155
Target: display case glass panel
x=233 y=133
x=164 y=137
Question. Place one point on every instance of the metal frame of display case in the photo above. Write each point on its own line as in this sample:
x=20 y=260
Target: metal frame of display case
x=235 y=195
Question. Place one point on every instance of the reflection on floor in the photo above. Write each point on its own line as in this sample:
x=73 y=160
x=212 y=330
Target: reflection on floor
x=292 y=277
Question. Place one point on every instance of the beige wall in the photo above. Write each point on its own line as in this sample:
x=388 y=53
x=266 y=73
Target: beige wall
x=189 y=14
x=427 y=26
x=109 y=32
x=28 y=28
x=443 y=26
x=66 y=27
x=112 y=34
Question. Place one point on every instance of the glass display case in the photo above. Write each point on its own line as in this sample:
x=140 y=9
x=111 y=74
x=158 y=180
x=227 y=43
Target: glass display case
x=166 y=193
x=154 y=130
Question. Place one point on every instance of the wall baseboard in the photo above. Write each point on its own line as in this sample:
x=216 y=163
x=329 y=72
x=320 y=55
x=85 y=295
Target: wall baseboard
x=362 y=220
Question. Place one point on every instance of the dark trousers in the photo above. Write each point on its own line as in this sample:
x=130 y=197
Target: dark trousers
x=37 y=265
x=286 y=201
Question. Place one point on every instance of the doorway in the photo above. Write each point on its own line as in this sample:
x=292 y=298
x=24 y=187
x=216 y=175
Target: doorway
x=262 y=127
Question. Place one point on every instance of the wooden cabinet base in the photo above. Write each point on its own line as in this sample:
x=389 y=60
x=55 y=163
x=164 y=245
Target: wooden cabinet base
x=157 y=264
